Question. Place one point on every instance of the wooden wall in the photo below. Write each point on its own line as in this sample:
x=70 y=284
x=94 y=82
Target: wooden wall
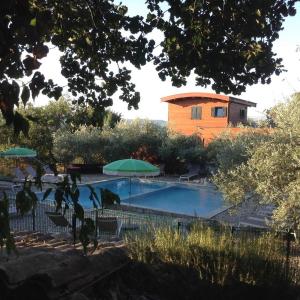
x=208 y=127
x=234 y=113
x=179 y=115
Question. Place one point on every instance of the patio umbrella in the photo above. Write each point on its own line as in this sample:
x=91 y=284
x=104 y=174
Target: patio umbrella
x=130 y=167
x=18 y=152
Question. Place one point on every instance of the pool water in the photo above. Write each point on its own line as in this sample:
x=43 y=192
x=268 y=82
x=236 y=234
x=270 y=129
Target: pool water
x=201 y=202
x=175 y=197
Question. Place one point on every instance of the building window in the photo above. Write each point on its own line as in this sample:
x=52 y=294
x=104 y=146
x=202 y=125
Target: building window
x=196 y=113
x=243 y=113
x=218 y=112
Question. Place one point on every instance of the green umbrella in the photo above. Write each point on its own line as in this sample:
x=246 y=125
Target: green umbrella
x=130 y=167
x=18 y=152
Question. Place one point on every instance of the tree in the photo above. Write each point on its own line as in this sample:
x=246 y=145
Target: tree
x=227 y=151
x=271 y=174
x=140 y=139
x=84 y=144
x=88 y=116
x=225 y=43
x=49 y=122
x=178 y=150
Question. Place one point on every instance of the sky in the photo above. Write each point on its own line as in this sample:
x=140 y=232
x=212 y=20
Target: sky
x=152 y=89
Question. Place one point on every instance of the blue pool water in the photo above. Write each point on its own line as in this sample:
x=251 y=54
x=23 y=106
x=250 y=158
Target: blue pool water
x=176 y=198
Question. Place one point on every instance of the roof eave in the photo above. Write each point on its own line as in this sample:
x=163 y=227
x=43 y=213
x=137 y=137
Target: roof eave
x=244 y=102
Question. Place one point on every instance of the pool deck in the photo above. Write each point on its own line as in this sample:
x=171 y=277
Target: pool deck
x=244 y=214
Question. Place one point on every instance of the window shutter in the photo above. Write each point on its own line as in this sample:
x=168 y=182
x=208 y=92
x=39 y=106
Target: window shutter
x=213 y=112
x=200 y=112
x=196 y=113
x=225 y=111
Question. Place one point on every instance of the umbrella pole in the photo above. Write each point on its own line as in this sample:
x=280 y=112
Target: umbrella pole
x=129 y=189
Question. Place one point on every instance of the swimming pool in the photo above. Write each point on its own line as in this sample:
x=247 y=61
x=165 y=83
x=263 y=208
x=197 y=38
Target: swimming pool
x=171 y=197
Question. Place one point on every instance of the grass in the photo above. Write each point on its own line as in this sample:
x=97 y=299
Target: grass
x=218 y=256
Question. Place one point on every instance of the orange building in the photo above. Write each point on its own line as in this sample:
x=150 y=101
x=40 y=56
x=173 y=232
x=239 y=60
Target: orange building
x=205 y=114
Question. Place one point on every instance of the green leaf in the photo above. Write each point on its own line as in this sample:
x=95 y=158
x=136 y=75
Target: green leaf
x=32 y=22
x=93 y=196
x=75 y=176
x=108 y=198
x=23 y=202
x=88 y=41
x=59 y=198
x=33 y=197
x=86 y=232
x=75 y=195
x=79 y=211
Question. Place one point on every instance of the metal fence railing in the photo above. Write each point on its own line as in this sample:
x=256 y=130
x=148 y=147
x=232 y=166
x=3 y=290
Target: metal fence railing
x=137 y=223
x=38 y=220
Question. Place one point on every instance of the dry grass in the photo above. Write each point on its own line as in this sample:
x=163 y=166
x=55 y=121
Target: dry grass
x=219 y=256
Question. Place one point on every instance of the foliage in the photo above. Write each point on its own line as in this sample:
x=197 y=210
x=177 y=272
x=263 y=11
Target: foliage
x=108 y=198
x=49 y=121
x=66 y=196
x=218 y=256
x=227 y=151
x=111 y=119
x=269 y=119
x=26 y=199
x=45 y=121
x=271 y=172
x=178 y=150
x=228 y=44
x=85 y=144
x=6 y=238
x=90 y=35
x=138 y=139
x=88 y=116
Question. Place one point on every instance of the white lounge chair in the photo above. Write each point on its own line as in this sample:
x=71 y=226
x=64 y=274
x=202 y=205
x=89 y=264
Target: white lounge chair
x=193 y=172
x=50 y=177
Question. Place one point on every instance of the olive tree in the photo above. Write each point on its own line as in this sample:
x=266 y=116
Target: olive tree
x=178 y=150
x=228 y=151
x=140 y=139
x=84 y=145
x=271 y=174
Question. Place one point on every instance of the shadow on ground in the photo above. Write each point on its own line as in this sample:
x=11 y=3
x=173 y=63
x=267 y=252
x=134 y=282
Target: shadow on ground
x=140 y=281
